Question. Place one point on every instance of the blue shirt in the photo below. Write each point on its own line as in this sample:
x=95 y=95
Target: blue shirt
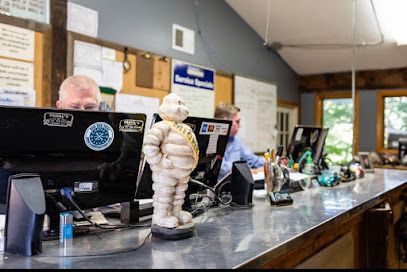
x=237 y=151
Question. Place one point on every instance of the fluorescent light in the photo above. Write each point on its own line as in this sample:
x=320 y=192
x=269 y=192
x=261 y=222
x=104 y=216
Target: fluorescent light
x=392 y=16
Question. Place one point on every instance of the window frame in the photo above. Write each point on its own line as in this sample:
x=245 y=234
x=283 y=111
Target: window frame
x=339 y=94
x=381 y=95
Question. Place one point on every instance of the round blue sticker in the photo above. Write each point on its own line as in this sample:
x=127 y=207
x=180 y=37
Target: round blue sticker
x=99 y=136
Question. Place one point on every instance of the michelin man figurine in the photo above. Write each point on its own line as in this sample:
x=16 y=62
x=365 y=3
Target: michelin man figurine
x=171 y=149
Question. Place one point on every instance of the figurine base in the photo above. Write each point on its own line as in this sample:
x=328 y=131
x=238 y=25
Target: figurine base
x=178 y=233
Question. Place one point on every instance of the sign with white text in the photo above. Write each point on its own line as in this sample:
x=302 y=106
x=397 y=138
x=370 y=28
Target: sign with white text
x=196 y=85
x=37 y=10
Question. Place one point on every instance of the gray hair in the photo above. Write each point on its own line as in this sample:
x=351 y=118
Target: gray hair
x=79 y=83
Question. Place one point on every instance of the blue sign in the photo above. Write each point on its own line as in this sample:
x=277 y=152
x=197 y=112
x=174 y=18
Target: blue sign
x=193 y=76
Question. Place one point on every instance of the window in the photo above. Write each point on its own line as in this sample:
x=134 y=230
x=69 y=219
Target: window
x=391 y=120
x=335 y=111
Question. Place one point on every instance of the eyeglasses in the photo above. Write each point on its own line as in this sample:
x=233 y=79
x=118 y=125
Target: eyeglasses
x=89 y=107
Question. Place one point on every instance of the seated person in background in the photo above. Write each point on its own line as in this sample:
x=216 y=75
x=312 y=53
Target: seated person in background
x=79 y=92
x=235 y=149
x=75 y=92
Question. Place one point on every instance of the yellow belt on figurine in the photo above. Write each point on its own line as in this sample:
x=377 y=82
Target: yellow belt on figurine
x=186 y=132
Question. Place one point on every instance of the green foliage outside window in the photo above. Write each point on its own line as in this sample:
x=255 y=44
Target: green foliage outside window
x=337 y=116
x=395 y=120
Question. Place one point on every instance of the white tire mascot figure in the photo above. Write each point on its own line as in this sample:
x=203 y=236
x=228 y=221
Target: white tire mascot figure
x=171 y=149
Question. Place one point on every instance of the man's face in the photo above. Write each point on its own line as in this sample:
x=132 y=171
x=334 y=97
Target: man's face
x=79 y=100
x=236 y=124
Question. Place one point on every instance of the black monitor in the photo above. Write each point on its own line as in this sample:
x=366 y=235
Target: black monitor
x=212 y=136
x=307 y=138
x=96 y=154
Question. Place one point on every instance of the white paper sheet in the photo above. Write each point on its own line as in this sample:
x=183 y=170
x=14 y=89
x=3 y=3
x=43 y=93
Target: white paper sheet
x=16 y=75
x=200 y=103
x=298 y=134
x=16 y=42
x=138 y=104
x=82 y=20
x=95 y=74
x=17 y=98
x=112 y=74
x=87 y=55
x=213 y=141
x=108 y=53
x=11 y=100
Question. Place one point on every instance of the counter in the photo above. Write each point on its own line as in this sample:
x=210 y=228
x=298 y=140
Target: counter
x=228 y=237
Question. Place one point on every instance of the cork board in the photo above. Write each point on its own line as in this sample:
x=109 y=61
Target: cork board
x=41 y=61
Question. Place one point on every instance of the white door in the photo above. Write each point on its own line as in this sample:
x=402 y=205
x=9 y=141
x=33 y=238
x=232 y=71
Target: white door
x=287 y=119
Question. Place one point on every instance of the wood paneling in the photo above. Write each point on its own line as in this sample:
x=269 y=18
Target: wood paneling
x=162 y=73
x=223 y=89
x=153 y=71
x=129 y=80
x=369 y=79
x=39 y=66
x=58 y=20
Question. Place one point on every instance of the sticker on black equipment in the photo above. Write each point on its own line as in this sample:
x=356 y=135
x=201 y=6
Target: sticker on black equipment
x=131 y=125
x=99 y=136
x=58 y=119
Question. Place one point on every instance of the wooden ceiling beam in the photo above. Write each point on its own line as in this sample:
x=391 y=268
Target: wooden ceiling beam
x=367 y=79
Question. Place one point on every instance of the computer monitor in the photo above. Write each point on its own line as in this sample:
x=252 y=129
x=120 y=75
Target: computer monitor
x=307 y=138
x=212 y=136
x=96 y=154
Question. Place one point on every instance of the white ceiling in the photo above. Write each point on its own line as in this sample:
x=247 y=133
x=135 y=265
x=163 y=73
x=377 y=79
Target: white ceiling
x=293 y=22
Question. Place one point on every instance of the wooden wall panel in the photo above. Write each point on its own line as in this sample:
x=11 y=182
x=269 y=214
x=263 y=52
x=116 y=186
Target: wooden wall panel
x=129 y=80
x=38 y=66
x=367 y=79
x=223 y=89
x=58 y=20
x=162 y=73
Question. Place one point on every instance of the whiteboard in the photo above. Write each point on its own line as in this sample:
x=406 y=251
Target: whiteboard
x=257 y=101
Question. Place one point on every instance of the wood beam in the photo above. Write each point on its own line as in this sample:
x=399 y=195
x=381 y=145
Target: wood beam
x=367 y=79
x=58 y=21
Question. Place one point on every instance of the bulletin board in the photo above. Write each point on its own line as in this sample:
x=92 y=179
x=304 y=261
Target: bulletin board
x=159 y=68
x=25 y=62
x=257 y=100
x=149 y=74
